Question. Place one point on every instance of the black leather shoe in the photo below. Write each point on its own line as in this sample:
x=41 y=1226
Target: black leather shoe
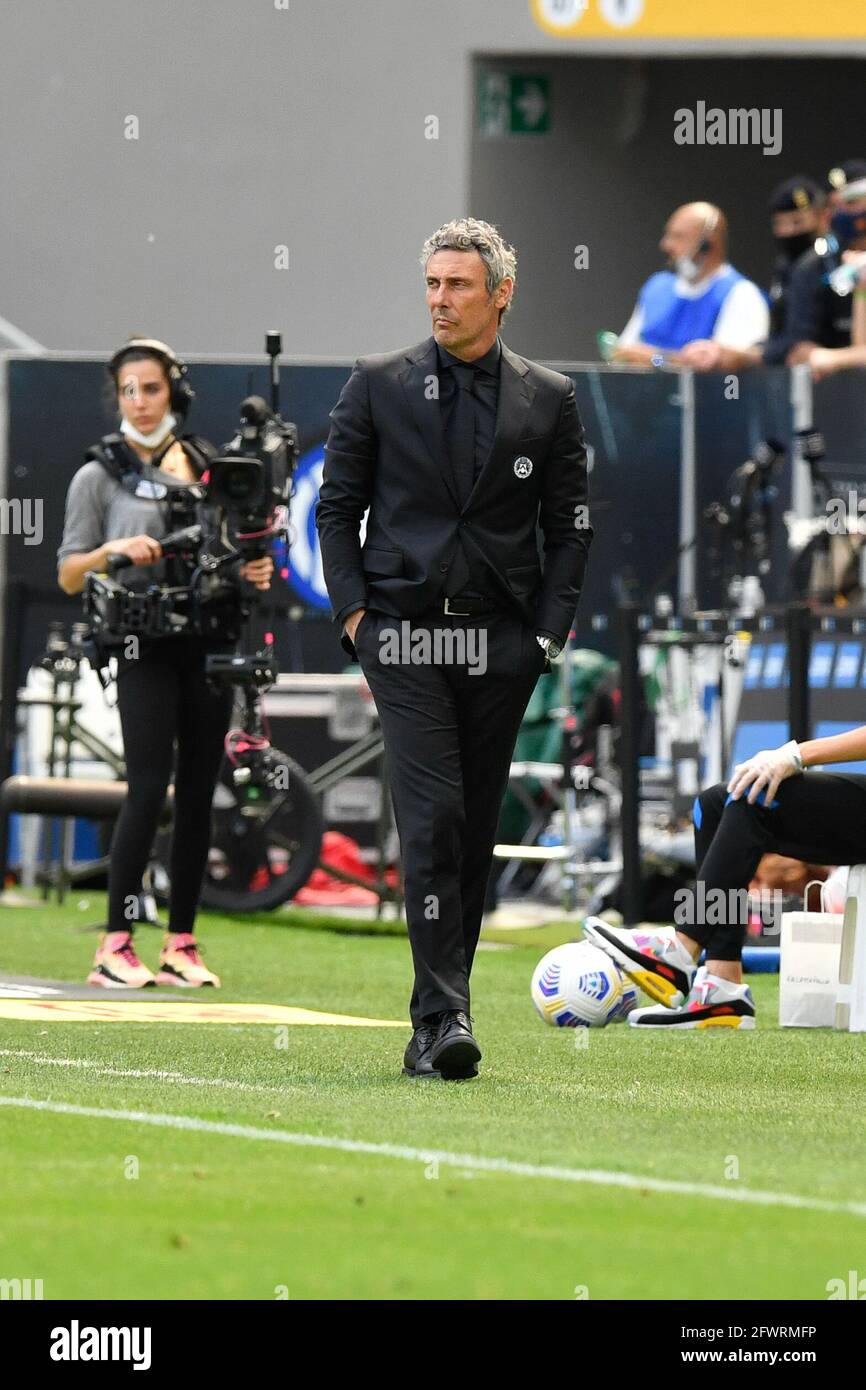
x=416 y=1058
x=455 y=1052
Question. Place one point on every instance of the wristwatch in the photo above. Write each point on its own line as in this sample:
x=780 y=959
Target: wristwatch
x=549 y=646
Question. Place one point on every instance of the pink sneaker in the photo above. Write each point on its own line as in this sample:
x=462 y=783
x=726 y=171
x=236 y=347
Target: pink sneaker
x=116 y=966
x=180 y=963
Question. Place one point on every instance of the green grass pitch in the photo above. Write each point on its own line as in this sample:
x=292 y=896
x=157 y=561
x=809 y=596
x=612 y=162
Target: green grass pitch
x=225 y=1216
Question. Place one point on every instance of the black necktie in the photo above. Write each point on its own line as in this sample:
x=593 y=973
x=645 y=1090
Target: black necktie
x=460 y=434
x=460 y=442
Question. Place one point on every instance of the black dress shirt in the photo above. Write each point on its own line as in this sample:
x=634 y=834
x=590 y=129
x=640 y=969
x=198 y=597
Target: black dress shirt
x=485 y=393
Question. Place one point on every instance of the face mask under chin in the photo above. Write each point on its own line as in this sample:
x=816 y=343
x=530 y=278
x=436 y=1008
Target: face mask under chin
x=686 y=268
x=156 y=436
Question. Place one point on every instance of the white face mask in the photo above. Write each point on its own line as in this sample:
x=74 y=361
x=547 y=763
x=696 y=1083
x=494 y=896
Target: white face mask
x=688 y=268
x=156 y=436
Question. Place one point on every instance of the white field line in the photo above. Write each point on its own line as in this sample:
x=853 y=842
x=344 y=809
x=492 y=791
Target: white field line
x=472 y=1162
x=151 y=1074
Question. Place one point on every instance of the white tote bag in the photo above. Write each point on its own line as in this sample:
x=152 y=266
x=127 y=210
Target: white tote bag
x=809 y=969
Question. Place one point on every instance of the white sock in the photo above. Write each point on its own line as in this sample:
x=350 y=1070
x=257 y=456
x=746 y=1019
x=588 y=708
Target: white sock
x=726 y=985
x=683 y=954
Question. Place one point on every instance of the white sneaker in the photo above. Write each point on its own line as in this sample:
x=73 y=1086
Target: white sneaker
x=712 y=1003
x=653 y=957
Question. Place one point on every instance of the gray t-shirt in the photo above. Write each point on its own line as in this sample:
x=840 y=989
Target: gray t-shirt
x=99 y=508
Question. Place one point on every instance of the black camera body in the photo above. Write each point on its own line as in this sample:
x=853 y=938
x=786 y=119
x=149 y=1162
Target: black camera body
x=250 y=481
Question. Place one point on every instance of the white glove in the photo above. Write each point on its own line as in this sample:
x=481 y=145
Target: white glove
x=765 y=770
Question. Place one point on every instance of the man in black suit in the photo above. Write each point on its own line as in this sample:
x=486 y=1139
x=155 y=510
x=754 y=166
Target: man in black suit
x=462 y=451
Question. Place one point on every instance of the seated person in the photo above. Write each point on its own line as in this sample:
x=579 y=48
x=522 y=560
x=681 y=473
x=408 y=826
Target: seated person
x=691 y=313
x=770 y=805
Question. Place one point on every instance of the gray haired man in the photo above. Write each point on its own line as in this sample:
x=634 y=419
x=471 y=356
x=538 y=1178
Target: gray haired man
x=465 y=455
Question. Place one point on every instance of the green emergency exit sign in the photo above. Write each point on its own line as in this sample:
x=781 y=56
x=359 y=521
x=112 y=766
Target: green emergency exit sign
x=513 y=104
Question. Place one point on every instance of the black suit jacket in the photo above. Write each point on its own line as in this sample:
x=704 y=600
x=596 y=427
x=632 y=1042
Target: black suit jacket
x=386 y=451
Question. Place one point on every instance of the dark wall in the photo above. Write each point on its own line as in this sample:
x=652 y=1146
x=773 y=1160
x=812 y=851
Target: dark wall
x=609 y=173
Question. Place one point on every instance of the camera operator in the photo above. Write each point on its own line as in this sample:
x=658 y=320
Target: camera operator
x=119 y=503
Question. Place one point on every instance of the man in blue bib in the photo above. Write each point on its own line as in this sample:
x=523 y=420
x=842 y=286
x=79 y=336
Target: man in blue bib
x=691 y=313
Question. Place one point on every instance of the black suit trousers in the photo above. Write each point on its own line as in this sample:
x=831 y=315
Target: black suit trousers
x=449 y=726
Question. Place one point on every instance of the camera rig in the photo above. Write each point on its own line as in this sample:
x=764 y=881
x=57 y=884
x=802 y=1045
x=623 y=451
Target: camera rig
x=215 y=526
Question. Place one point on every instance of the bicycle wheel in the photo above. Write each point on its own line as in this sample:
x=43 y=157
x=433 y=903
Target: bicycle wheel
x=256 y=862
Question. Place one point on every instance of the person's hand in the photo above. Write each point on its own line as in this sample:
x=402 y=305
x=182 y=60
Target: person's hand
x=350 y=626
x=800 y=353
x=258 y=572
x=765 y=771
x=140 y=550
x=703 y=354
x=822 y=362
x=637 y=354
x=858 y=259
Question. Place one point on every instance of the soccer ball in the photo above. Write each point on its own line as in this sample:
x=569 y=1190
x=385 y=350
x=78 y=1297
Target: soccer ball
x=578 y=986
x=630 y=998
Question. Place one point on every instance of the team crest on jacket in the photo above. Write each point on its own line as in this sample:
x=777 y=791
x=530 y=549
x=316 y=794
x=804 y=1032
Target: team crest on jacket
x=522 y=467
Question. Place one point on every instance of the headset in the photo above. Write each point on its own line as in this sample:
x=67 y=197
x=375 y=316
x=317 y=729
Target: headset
x=181 y=392
x=690 y=266
x=710 y=223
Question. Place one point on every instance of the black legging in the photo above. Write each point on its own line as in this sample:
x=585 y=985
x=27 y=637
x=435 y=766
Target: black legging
x=819 y=817
x=163 y=696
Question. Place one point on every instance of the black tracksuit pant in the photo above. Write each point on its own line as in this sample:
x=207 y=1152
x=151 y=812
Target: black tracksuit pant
x=163 y=697
x=449 y=735
x=819 y=817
